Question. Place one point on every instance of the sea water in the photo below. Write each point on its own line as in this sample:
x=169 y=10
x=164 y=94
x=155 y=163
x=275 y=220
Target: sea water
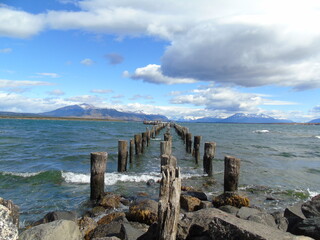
x=45 y=164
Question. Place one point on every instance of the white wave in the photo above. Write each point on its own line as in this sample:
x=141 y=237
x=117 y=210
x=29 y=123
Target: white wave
x=312 y=193
x=114 y=177
x=317 y=137
x=261 y=131
x=22 y=174
x=156 y=139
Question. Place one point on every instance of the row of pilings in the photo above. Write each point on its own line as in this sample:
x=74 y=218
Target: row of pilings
x=170 y=184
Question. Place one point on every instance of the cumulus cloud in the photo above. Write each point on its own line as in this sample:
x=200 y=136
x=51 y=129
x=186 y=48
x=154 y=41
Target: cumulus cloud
x=87 y=62
x=114 y=58
x=20 y=24
x=138 y=96
x=226 y=99
x=152 y=73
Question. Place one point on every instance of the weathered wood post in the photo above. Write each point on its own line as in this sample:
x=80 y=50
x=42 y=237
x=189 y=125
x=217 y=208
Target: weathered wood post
x=231 y=173
x=122 y=155
x=209 y=152
x=169 y=203
x=131 y=150
x=165 y=148
x=196 y=148
x=188 y=142
x=137 y=142
x=168 y=160
x=98 y=168
x=148 y=137
x=144 y=142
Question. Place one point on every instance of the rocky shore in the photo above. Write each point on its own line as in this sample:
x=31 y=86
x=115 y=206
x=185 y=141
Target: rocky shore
x=116 y=217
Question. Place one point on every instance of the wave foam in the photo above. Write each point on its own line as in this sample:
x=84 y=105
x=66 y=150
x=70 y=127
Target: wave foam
x=317 y=137
x=22 y=174
x=261 y=131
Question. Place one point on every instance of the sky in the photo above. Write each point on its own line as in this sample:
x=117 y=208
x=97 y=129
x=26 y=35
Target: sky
x=180 y=58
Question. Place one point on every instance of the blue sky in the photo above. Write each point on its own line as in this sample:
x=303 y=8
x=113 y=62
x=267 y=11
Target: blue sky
x=180 y=58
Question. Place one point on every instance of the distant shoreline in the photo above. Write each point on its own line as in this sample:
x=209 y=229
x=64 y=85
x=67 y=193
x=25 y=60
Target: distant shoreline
x=117 y=120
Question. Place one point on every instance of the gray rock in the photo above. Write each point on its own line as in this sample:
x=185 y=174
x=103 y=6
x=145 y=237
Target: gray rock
x=215 y=224
x=309 y=227
x=205 y=204
x=127 y=232
x=8 y=230
x=263 y=218
x=281 y=221
x=57 y=215
x=294 y=215
x=229 y=209
x=112 y=229
x=61 y=229
x=246 y=212
x=311 y=208
x=200 y=195
x=106 y=238
x=14 y=210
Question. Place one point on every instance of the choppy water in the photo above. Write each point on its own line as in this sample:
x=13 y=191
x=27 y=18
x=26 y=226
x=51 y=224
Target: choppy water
x=45 y=164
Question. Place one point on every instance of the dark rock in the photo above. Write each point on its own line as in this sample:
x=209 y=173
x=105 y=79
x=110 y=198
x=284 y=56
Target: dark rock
x=200 y=195
x=246 y=212
x=311 y=208
x=263 y=218
x=58 y=215
x=229 y=209
x=128 y=232
x=308 y=227
x=294 y=215
x=151 y=182
x=109 y=230
x=205 y=204
x=110 y=217
x=143 y=211
x=98 y=210
x=151 y=234
x=189 y=203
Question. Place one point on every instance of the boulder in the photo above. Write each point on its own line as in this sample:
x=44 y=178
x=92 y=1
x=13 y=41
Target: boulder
x=311 y=208
x=8 y=229
x=143 y=211
x=230 y=199
x=109 y=230
x=189 y=203
x=60 y=229
x=110 y=201
x=309 y=227
x=263 y=218
x=246 y=212
x=200 y=195
x=106 y=238
x=294 y=215
x=215 y=224
x=14 y=210
x=98 y=210
x=205 y=204
x=281 y=222
x=110 y=217
x=57 y=215
x=229 y=209
x=86 y=226
x=128 y=232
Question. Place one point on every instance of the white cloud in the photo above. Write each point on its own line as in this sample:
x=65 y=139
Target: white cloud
x=6 y=50
x=226 y=99
x=101 y=91
x=51 y=75
x=87 y=62
x=56 y=92
x=4 y=83
x=152 y=73
x=20 y=24
x=138 y=96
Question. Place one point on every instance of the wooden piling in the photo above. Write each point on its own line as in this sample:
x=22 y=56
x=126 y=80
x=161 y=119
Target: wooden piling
x=188 y=142
x=231 y=173
x=169 y=203
x=143 y=142
x=98 y=168
x=209 y=152
x=148 y=137
x=131 y=150
x=137 y=142
x=122 y=155
x=165 y=148
x=168 y=160
x=196 y=148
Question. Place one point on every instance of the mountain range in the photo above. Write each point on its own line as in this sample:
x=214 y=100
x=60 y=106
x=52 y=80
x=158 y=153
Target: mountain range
x=89 y=111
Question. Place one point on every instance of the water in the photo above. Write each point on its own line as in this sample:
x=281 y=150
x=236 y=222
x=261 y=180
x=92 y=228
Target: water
x=45 y=164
